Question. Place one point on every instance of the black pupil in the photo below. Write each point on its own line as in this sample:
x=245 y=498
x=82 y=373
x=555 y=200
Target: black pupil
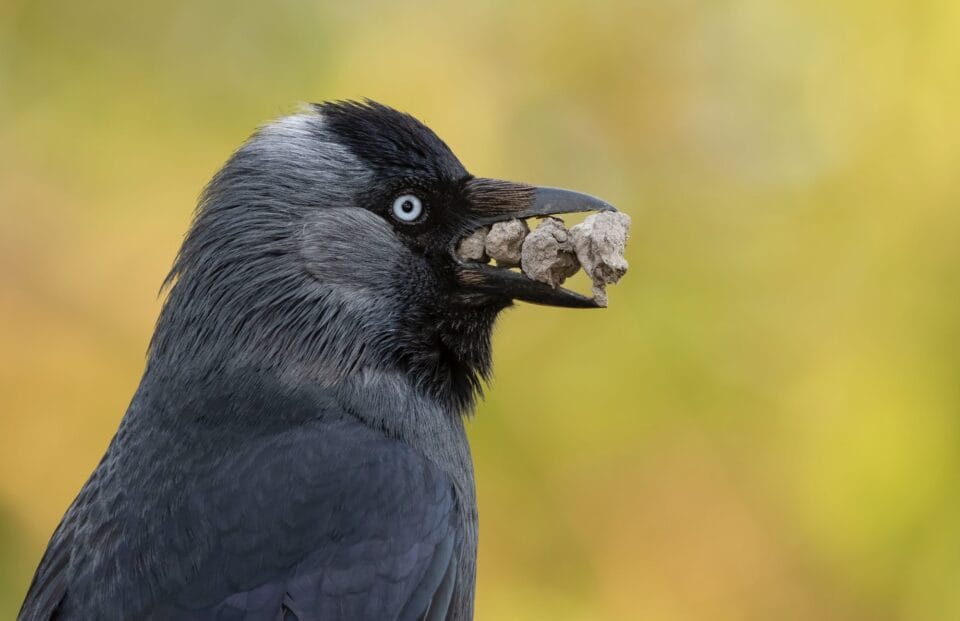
x=407 y=206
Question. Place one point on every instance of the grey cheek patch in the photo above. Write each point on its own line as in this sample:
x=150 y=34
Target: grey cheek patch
x=352 y=248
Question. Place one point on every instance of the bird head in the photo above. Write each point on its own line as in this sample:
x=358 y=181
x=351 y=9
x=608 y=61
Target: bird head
x=326 y=245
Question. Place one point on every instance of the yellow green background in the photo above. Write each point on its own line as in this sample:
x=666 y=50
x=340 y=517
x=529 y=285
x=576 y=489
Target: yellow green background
x=765 y=424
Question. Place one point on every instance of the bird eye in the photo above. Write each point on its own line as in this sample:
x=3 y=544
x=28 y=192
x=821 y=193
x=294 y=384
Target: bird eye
x=407 y=208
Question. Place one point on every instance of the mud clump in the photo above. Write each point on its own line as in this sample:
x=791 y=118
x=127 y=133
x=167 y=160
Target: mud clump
x=473 y=246
x=547 y=254
x=600 y=242
x=505 y=240
x=550 y=253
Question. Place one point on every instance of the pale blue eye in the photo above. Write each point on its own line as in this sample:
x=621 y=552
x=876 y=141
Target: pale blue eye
x=407 y=208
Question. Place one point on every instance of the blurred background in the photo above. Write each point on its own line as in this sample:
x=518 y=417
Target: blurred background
x=765 y=424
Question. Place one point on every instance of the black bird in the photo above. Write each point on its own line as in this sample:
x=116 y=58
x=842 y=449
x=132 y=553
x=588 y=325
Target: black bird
x=296 y=447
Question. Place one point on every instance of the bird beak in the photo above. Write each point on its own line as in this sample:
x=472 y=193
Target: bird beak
x=497 y=201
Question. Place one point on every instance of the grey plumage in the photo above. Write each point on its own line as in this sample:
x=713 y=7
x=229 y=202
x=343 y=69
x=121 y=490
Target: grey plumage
x=296 y=447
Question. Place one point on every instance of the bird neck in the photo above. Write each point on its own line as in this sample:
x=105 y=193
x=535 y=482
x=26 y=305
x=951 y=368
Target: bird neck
x=389 y=401
x=447 y=351
x=313 y=336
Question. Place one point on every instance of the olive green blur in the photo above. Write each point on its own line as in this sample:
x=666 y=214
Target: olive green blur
x=765 y=424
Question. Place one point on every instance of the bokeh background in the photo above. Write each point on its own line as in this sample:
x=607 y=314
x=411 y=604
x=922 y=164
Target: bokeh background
x=765 y=424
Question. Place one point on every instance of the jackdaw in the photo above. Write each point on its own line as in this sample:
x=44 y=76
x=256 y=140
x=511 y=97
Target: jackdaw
x=296 y=446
